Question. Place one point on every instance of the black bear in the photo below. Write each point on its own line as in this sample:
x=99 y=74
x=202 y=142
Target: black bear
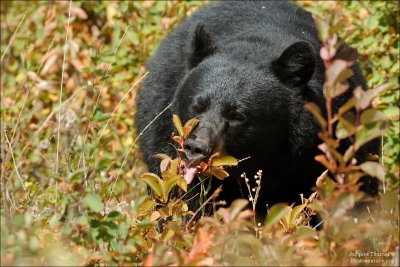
x=245 y=70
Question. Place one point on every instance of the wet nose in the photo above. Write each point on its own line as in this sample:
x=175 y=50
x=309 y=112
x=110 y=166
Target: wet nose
x=197 y=147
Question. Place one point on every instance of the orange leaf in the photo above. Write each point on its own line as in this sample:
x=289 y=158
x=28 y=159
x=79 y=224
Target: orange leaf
x=324 y=161
x=203 y=166
x=178 y=139
x=219 y=173
x=149 y=260
x=202 y=244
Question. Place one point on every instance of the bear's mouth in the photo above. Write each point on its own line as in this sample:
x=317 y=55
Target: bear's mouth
x=193 y=162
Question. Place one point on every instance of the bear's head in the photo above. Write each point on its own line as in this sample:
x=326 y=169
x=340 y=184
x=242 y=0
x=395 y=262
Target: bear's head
x=244 y=106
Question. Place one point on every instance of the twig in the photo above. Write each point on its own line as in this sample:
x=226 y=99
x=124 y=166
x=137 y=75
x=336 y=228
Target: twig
x=43 y=125
x=315 y=227
x=108 y=69
x=15 y=165
x=130 y=148
x=382 y=162
x=243 y=159
x=257 y=179
x=214 y=195
x=82 y=155
x=4 y=191
x=115 y=109
x=61 y=90
x=29 y=90
x=190 y=190
x=13 y=36
x=188 y=200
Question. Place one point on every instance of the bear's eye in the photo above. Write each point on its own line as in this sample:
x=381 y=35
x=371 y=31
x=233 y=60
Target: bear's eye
x=237 y=116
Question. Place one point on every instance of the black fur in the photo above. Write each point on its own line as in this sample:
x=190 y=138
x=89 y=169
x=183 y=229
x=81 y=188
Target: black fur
x=245 y=69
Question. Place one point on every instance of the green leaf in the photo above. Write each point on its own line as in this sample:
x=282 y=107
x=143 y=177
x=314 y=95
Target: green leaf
x=374 y=169
x=113 y=216
x=225 y=161
x=349 y=154
x=170 y=182
x=304 y=232
x=167 y=235
x=344 y=128
x=337 y=72
x=276 y=212
x=322 y=27
x=392 y=112
x=364 y=98
x=315 y=110
x=326 y=187
x=341 y=88
x=372 y=115
x=182 y=184
x=153 y=181
x=342 y=131
x=100 y=116
x=76 y=175
x=147 y=206
x=237 y=206
x=93 y=202
x=347 y=106
x=219 y=173
x=372 y=22
x=296 y=211
x=368 y=132
x=178 y=124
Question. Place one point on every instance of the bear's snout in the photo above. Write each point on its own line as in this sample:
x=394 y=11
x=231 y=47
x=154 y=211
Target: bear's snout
x=205 y=139
x=197 y=149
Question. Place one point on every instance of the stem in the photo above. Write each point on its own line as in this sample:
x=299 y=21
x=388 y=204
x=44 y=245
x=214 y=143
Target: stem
x=329 y=111
x=61 y=88
x=213 y=196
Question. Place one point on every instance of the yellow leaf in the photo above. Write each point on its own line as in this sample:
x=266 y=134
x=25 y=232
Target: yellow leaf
x=178 y=124
x=225 y=161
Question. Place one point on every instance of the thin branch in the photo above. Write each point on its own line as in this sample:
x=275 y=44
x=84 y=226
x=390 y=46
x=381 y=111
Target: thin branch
x=243 y=159
x=15 y=165
x=4 y=191
x=29 y=90
x=44 y=124
x=130 y=148
x=213 y=196
x=82 y=155
x=13 y=36
x=61 y=90
x=115 y=109
x=190 y=199
x=108 y=69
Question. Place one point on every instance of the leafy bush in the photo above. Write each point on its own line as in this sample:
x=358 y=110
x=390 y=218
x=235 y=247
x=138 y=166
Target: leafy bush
x=70 y=171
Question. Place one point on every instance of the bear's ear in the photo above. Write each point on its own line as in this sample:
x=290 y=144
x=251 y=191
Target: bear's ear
x=201 y=45
x=296 y=64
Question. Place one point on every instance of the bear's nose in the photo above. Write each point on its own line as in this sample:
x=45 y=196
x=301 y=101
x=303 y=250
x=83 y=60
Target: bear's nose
x=196 y=148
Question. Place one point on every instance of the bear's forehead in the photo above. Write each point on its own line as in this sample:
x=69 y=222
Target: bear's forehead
x=231 y=76
x=232 y=82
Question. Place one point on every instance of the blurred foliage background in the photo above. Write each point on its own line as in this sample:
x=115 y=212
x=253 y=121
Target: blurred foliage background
x=68 y=147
